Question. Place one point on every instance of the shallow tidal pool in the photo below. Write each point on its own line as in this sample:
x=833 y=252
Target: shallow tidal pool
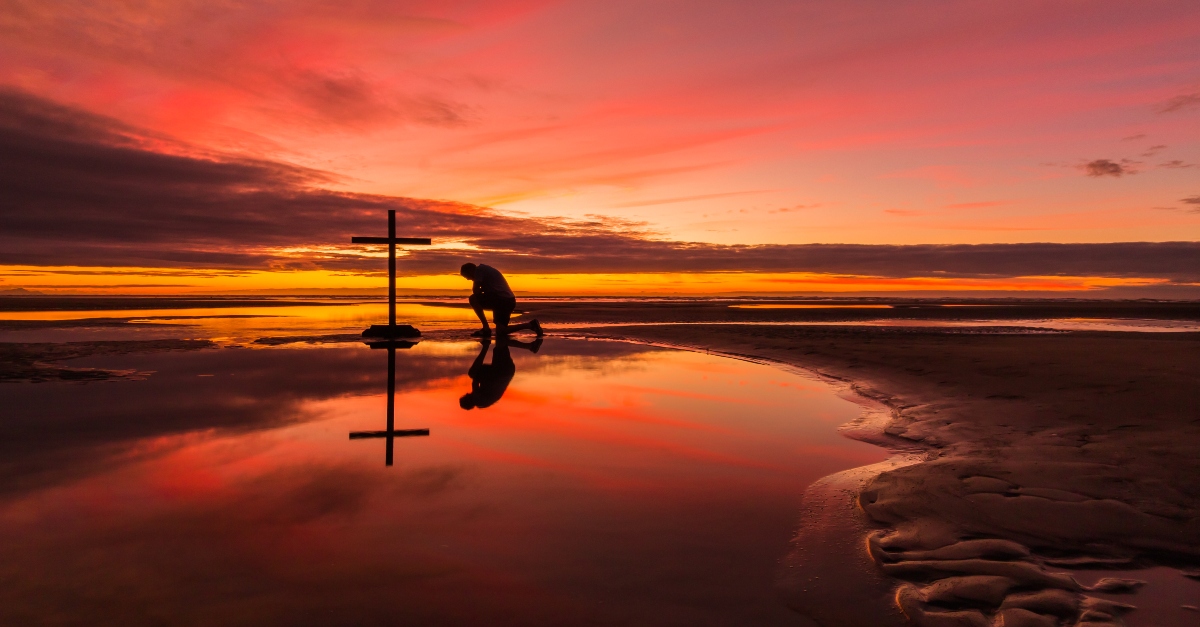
x=586 y=483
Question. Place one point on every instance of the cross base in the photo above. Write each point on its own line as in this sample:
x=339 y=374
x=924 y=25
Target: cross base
x=392 y=331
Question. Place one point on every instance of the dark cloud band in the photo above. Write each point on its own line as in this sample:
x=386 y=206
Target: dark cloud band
x=80 y=189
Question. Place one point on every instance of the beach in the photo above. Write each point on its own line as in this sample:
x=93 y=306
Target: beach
x=1021 y=457
x=1039 y=476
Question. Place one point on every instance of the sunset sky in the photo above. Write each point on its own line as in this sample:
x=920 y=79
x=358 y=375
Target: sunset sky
x=155 y=146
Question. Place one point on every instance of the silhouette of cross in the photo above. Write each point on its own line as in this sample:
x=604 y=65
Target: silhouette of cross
x=391 y=240
x=391 y=431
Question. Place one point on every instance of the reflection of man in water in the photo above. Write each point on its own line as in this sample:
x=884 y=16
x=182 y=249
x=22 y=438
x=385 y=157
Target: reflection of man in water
x=489 y=381
x=489 y=290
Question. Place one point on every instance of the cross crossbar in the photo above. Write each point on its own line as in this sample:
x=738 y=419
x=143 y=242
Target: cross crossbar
x=402 y=433
x=412 y=241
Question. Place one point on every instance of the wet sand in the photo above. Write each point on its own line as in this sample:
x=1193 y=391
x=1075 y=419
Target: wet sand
x=1036 y=474
x=1021 y=458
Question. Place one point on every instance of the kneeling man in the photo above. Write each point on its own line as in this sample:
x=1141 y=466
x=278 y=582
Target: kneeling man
x=491 y=291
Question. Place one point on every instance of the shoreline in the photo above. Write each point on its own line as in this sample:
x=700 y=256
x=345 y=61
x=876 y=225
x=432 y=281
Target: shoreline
x=1086 y=467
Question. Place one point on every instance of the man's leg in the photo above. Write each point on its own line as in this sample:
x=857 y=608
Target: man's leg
x=532 y=325
x=477 y=304
x=501 y=315
x=501 y=311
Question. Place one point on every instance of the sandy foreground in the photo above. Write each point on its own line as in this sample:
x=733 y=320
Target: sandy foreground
x=1036 y=476
x=1021 y=460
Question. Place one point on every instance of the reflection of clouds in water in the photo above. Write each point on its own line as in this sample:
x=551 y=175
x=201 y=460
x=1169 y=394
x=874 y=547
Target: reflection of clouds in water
x=249 y=547
x=310 y=493
x=50 y=433
x=74 y=438
x=236 y=499
x=601 y=357
x=48 y=437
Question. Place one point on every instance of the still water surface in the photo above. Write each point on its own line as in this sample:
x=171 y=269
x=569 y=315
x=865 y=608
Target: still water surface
x=593 y=483
x=231 y=325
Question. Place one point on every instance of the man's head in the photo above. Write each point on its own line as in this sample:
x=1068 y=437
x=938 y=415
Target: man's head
x=468 y=271
x=467 y=401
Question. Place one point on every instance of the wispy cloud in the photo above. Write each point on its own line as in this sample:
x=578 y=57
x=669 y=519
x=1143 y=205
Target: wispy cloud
x=1107 y=167
x=679 y=199
x=350 y=99
x=976 y=205
x=1181 y=102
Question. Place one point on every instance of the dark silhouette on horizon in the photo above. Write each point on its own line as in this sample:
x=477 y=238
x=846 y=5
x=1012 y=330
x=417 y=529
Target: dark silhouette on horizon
x=490 y=381
x=490 y=291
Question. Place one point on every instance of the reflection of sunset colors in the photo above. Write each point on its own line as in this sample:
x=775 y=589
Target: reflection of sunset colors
x=639 y=123
x=612 y=479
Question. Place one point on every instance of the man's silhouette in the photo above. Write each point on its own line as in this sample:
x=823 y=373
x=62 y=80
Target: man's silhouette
x=489 y=381
x=489 y=290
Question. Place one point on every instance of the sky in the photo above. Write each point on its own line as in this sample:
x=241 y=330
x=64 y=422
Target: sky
x=595 y=147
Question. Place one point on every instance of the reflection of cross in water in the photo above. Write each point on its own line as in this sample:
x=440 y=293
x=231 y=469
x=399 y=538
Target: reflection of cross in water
x=391 y=431
x=391 y=240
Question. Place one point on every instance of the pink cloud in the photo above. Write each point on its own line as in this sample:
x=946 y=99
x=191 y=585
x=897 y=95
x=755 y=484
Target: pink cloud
x=607 y=104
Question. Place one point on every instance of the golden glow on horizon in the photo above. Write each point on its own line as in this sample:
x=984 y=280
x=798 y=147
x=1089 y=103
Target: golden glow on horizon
x=167 y=281
x=796 y=306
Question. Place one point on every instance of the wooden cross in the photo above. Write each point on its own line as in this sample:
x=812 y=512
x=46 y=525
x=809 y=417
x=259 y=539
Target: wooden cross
x=391 y=240
x=391 y=431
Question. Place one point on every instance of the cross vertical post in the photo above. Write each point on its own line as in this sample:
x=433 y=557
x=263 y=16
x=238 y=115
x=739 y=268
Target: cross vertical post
x=392 y=279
